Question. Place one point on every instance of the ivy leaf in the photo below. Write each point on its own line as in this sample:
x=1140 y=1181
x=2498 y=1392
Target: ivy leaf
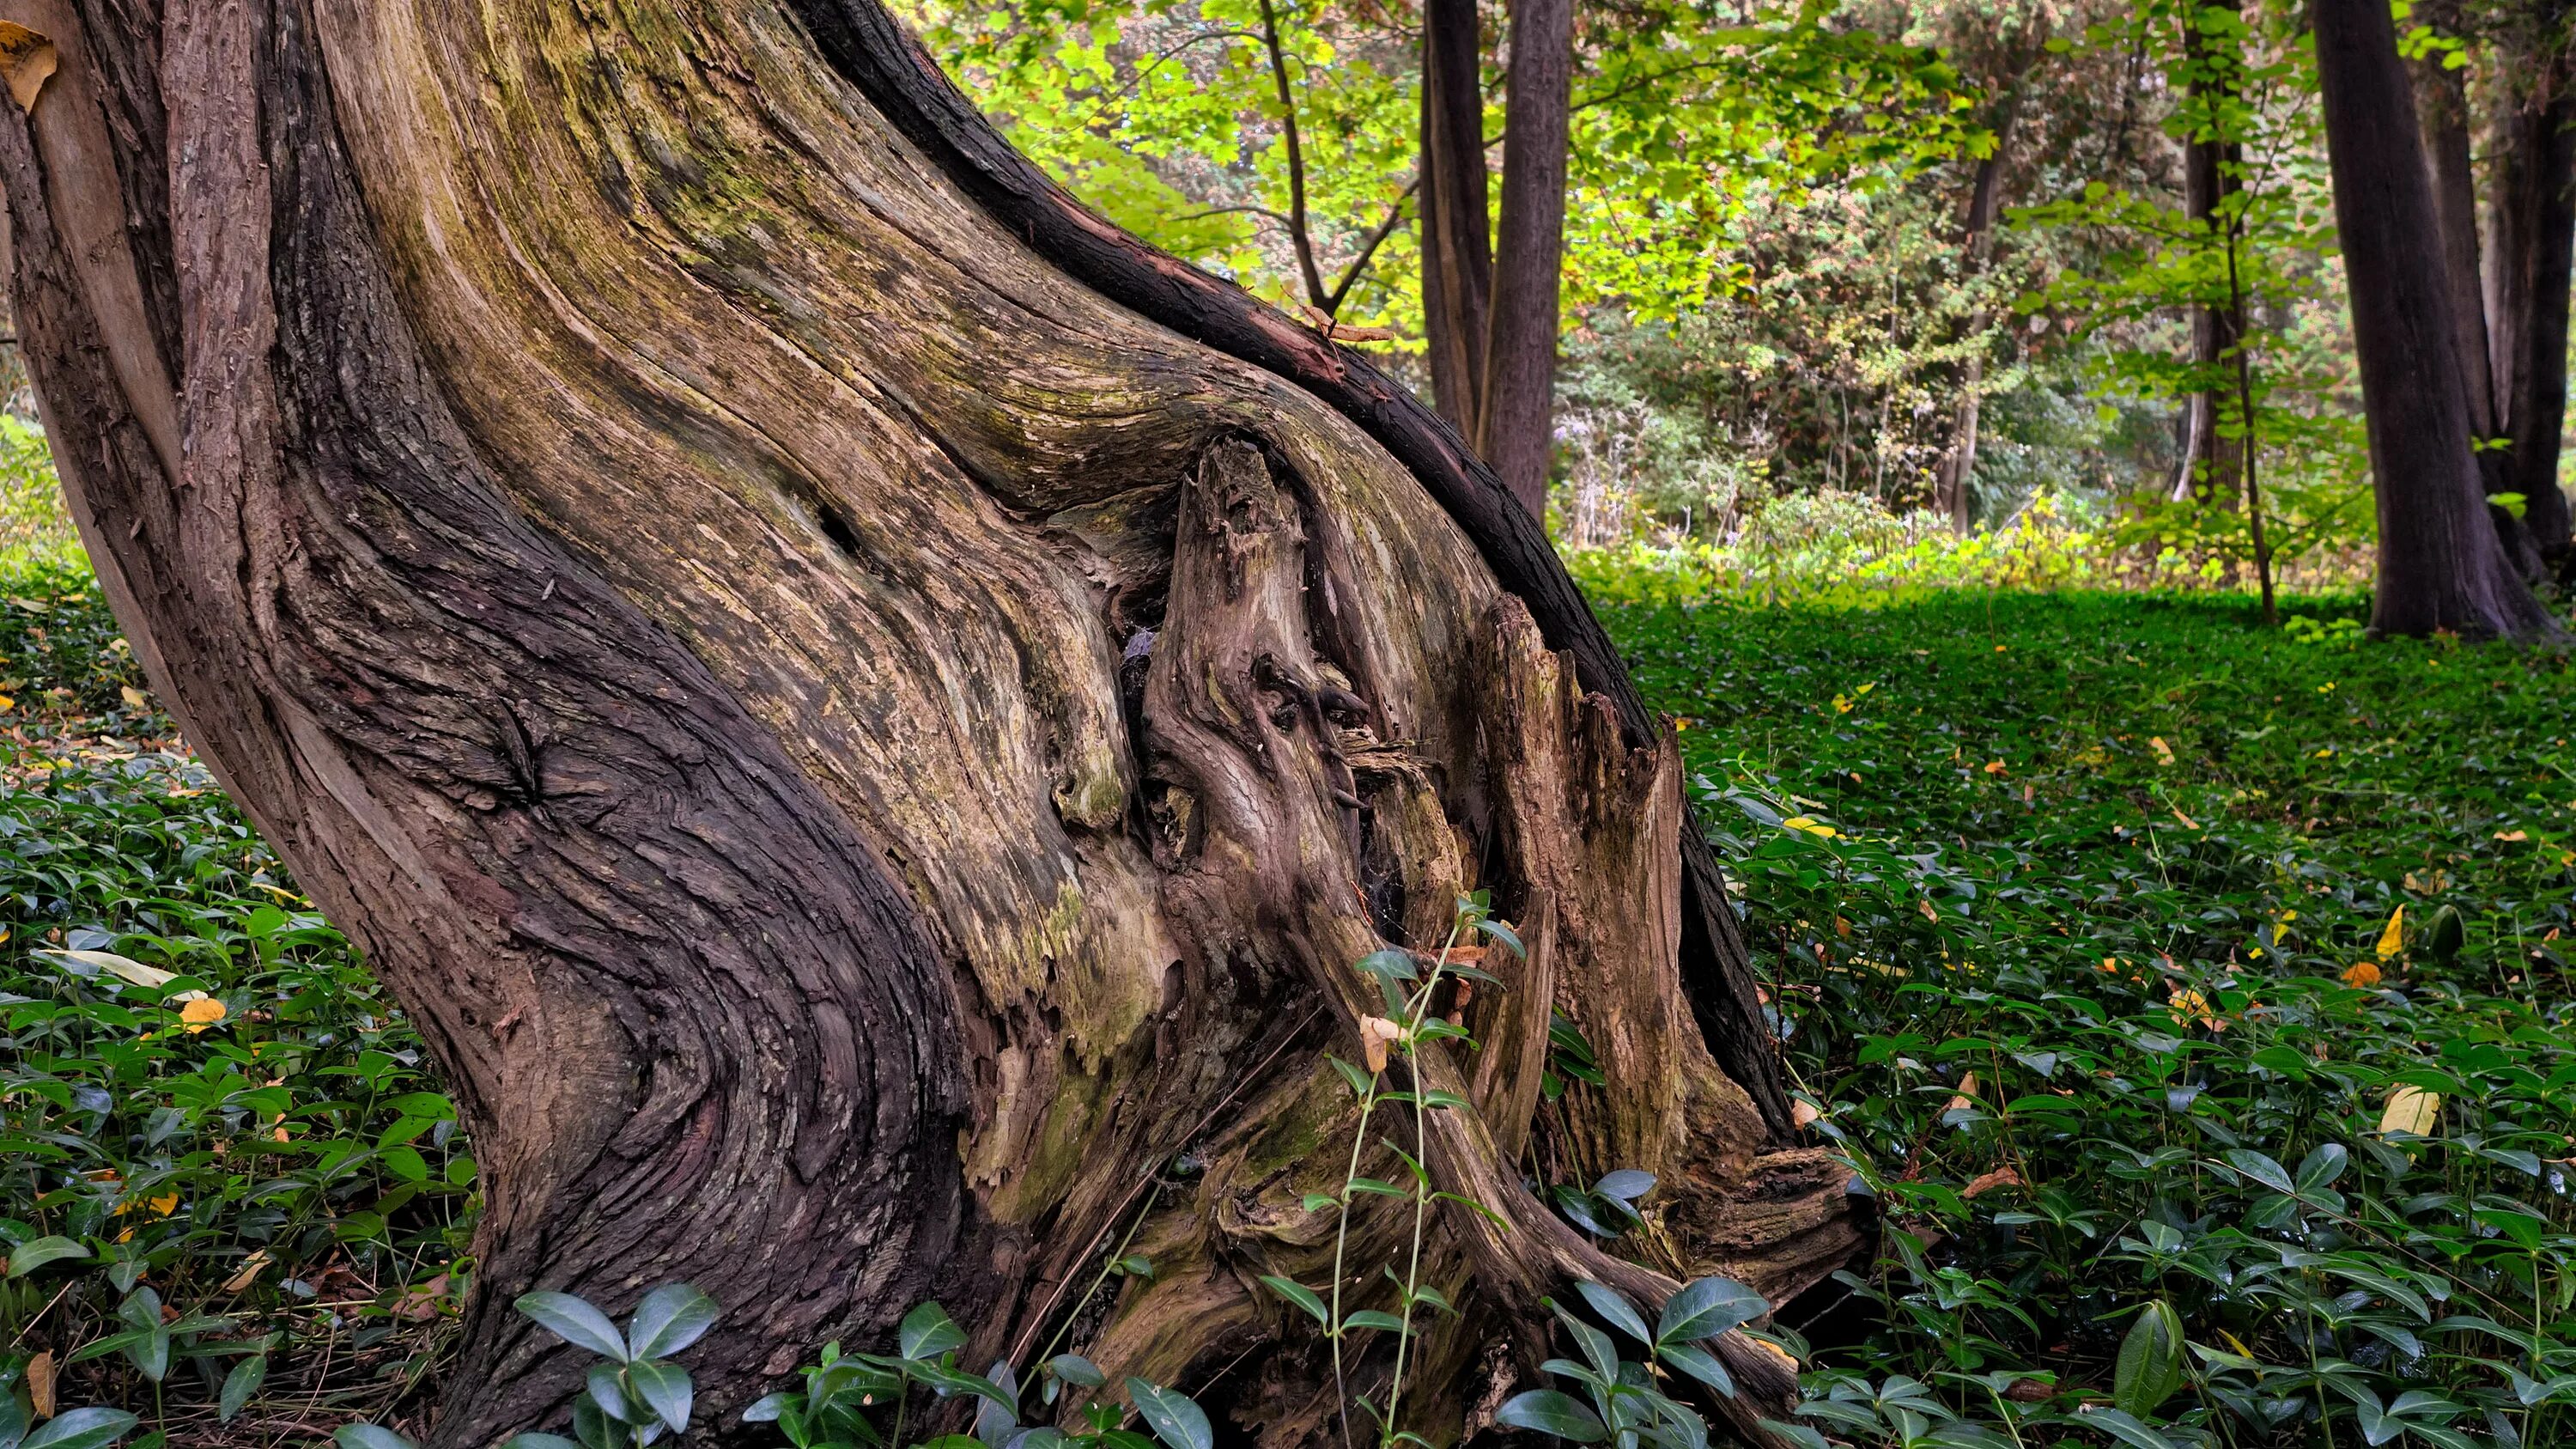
x=1300 y=1295
x=926 y=1333
x=1707 y=1307
x=1175 y=1418
x=1555 y=1413
x=574 y=1321
x=669 y=1319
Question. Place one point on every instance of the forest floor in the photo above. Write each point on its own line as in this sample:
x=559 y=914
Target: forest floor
x=2136 y=955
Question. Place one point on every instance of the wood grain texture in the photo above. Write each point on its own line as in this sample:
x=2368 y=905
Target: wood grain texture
x=860 y=748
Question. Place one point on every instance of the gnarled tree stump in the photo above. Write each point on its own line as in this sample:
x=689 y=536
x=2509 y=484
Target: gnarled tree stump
x=865 y=713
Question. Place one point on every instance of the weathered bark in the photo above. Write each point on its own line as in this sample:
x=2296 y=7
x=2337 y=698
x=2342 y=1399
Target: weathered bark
x=2213 y=464
x=865 y=713
x=2532 y=233
x=2440 y=565
x=1457 y=253
x=1516 y=426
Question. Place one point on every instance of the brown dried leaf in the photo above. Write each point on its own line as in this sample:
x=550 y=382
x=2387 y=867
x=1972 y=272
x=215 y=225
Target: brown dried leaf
x=1989 y=1181
x=420 y=1305
x=40 y=1383
x=1375 y=1034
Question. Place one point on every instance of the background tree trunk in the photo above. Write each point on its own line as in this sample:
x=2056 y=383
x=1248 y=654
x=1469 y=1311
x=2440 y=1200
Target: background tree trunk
x=2441 y=93
x=1517 y=425
x=1457 y=254
x=2532 y=232
x=866 y=714
x=1976 y=248
x=2213 y=465
x=2440 y=565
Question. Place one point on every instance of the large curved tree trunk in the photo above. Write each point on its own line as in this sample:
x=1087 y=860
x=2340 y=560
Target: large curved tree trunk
x=866 y=714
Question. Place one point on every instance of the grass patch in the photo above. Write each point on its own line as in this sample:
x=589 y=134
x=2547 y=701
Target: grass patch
x=2138 y=956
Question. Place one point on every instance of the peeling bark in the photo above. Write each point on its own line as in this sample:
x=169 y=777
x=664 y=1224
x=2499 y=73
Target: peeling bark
x=865 y=713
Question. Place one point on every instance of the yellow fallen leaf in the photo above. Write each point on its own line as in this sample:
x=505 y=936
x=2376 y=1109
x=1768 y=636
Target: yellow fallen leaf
x=1930 y=912
x=2189 y=1005
x=134 y=698
x=2512 y=836
x=2410 y=1110
x=2394 y=936
x=1787 y=1359
x=2164 y=752
x=1994 y=767
x=1816 y=828
x=1965 y=1097
x=248 y=1273
x=2188 y=822
x=27 y=60
x=201 y=1013
x=165 y=1204
x=2364 y=974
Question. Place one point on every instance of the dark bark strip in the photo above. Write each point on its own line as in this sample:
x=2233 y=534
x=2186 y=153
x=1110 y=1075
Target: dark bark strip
x=696 y=1029
x=1516 y=421
x=1958 y=466
x=2532 y=237
x=888 y=66
x=2440 y=565
x=2212 y=465
x=1457 y=249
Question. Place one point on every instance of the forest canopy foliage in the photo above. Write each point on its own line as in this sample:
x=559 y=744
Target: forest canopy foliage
x=1772 y=293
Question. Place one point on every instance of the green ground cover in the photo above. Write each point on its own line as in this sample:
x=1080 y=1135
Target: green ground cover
x=228 y=1192
x=2077 y=911
x=2083 y=915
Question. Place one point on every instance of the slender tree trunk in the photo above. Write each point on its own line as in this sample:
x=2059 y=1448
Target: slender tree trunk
x=2442 y=93
x=2213 y=464
x=1457 y=255
x=865 y=713
x=1516 y=425
x=1977 y=247
x=2440 y=565
x=2531 y=234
